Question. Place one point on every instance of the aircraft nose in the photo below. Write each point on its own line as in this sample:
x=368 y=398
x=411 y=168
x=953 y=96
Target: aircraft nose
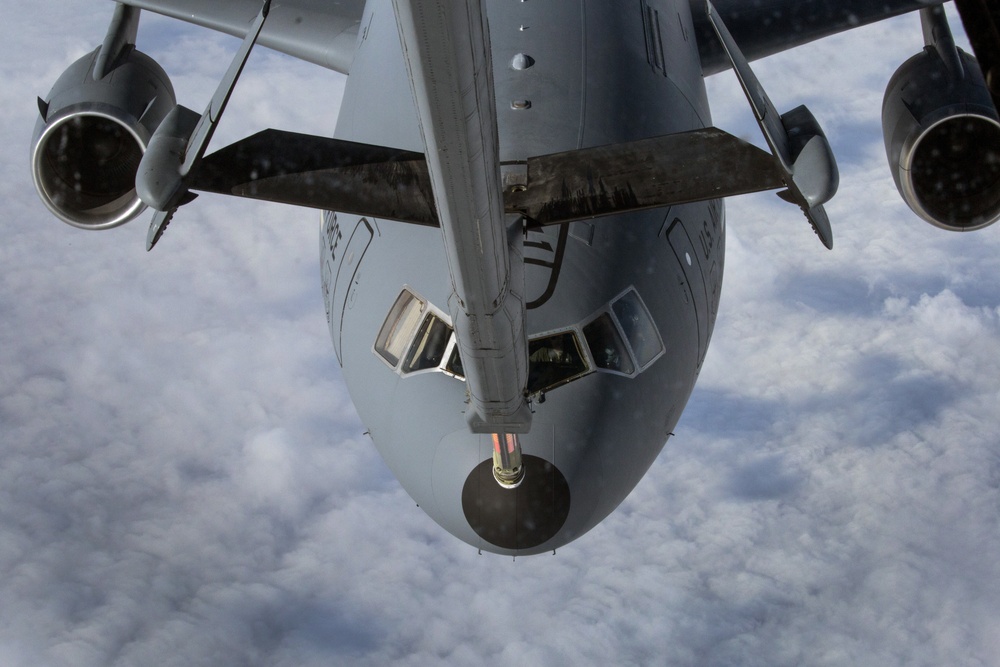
x=520 y=518
x=559 y=498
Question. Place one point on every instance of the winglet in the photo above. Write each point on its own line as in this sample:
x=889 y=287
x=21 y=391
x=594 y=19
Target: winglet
x=159 y=225
x=796 y=140
x=210 y=119
x=121 y=33
x=179 y=143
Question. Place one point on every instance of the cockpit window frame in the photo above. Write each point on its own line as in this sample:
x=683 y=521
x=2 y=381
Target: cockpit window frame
x=381 y=347
x=639 y=368
x=608 y=309
x=643 y=328
x=427 y=309
x=625 y=349
x=446 y=349
x=582 y=350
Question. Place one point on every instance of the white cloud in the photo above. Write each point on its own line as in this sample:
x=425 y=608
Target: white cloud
x=184 y=481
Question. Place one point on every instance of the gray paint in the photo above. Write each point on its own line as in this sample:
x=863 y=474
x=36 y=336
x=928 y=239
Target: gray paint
x=326 y=33
x=602 y=431
x=569 y=76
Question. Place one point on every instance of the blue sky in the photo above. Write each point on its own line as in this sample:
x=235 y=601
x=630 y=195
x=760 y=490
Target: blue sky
x=184 y=481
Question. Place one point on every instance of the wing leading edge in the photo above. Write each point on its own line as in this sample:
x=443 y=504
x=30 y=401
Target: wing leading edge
x=765 y=27
x=325 y=33
x=318 y=31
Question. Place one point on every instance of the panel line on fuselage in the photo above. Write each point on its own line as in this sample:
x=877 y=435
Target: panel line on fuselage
x=602 y=429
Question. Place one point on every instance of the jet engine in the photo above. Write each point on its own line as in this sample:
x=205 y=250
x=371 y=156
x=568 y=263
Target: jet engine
x=942 y=138
x=92 y=133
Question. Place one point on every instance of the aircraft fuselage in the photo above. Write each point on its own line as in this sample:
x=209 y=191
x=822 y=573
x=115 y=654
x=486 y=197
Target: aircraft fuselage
x=620 y=309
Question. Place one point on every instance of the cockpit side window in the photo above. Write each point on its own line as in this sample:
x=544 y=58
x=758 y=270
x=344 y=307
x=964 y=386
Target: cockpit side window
x=454 y=366
x=429 y=346
x=399 y=326
x=606 y=346
x=638 y=327
x=554 y=360
x=419 y=335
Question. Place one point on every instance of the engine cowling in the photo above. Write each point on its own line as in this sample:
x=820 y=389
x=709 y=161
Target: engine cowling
x=92 y=134
x=942 y=138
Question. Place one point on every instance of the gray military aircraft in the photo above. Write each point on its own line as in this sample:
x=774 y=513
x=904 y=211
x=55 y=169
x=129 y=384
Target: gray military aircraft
x=523 y=234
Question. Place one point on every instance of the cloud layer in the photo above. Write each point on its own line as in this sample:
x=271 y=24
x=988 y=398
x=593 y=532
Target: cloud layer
x=184 y=481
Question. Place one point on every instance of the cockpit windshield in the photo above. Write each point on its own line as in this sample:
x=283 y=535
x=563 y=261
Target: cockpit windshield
x=638 y=328
x=606 y=346
x=554 y=360
x=621 y=338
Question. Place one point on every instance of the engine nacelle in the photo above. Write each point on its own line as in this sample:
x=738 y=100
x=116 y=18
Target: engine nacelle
x=91 y=136
x=942 y=138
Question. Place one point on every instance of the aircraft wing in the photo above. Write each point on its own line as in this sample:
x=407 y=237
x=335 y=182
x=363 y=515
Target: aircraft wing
x=545 y=189
x=766 y=27
x=323 y=32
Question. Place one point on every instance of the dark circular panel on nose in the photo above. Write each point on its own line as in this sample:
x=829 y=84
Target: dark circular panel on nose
x=520 y=518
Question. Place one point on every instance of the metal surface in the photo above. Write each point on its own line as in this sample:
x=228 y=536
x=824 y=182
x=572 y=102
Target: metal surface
x=351 y=177
x=981 y=19
x=329 y=174
x=766 y=27
x=810 y=169
x=567 y=77
x=447 y=53
x=663 y=171
x=318 y=31
x=179 y=144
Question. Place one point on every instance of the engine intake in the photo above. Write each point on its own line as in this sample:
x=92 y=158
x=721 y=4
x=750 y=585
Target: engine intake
x=92 y=134
x=942 y=138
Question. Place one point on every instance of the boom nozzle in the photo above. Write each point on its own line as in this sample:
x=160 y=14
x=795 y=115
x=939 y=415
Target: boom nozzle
x=507 y=468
